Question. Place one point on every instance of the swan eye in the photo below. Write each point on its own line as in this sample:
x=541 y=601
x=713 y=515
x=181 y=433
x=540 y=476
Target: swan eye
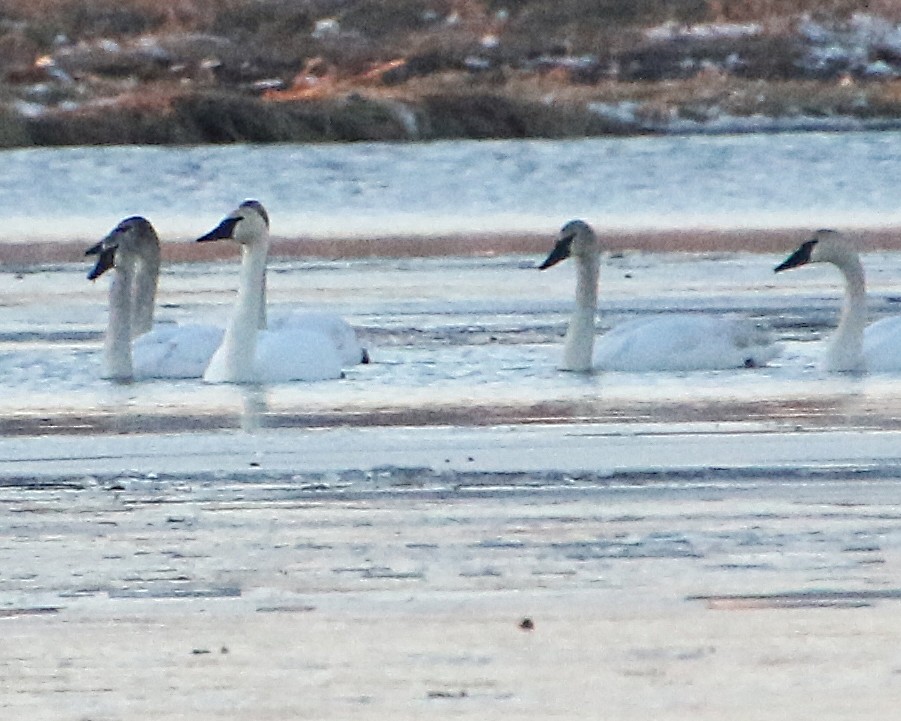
x=257 y=206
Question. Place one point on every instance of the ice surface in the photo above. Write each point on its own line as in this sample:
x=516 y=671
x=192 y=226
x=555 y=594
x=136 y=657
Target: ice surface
x=751 y=180
x=456 y=343
x=371 y=547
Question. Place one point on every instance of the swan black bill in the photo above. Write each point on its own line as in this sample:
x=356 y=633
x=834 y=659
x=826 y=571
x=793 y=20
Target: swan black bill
x=224 y=231
x=800 y=257
x=561 y=251
x=106 y=259
x=95 y=249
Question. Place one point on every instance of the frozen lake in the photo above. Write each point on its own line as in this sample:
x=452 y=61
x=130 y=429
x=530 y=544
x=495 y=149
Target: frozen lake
x=456 y=341
x=457 y=528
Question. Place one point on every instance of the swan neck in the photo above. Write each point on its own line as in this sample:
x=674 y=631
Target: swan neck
x=846 y=347
x=262 y=319
x=250 y=308
x=146 y=279
x=234 y=361
x=117 y=343
x=578 y=345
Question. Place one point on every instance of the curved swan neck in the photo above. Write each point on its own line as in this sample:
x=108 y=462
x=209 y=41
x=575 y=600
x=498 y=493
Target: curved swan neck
x=578 y=345
x=846 y=347
x=234 y=361
x=262 y=318
x=117 y=343
x=145 y=282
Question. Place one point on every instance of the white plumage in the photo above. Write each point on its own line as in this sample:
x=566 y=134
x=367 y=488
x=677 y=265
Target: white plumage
x=303 y=347
x=135 y=347
x=669 y=342
x=854 y=346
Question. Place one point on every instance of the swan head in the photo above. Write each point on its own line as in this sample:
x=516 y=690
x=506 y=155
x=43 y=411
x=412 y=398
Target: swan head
x=576 y=239
x=247 y=224
x=826 y=246
x=132 y=237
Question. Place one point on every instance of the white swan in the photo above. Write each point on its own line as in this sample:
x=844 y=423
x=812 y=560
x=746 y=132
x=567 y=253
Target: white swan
x=292 y=349
x=134 y=347
x=854 y=346
x=671 y=342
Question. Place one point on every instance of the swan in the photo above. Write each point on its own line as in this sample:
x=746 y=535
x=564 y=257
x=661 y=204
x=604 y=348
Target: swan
x=671 y=342
x=291 y=349
x=854 y=346
x=133 y=346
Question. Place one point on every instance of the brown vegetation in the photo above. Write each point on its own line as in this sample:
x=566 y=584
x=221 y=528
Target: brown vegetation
x=184 y=71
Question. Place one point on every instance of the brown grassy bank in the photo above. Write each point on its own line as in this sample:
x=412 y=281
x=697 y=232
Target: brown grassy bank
x=778 y=240
x=184 y=71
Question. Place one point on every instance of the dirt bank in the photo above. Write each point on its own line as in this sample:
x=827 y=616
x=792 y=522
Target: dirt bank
x=774 y=240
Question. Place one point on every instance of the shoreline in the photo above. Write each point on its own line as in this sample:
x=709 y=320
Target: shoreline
x=682 y=240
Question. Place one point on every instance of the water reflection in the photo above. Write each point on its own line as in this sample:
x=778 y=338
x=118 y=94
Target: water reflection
x=254 y=407
x=463 y=341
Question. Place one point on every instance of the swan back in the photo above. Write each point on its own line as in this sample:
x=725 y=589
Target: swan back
x=175 y=350
x=295 y=354
x=684 y=342
x=335 y=329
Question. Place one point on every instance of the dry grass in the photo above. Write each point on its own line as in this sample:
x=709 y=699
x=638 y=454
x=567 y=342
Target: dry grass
x=392 y=52
x=394 y=24
x=685 y=98
x=769 y=11
x=444 y=108
x=184 y=14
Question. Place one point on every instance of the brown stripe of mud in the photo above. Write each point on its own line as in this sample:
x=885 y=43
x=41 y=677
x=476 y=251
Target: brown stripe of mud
x=817 y=413
x=781 y=240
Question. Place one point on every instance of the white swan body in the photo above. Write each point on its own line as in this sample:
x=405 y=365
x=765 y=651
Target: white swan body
x=334 y=327
x=682 y=342
x=854 y=346
x=135 y=347
x=670 y=342
x=175 y=350
x=882 y=346
x=286 y=352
